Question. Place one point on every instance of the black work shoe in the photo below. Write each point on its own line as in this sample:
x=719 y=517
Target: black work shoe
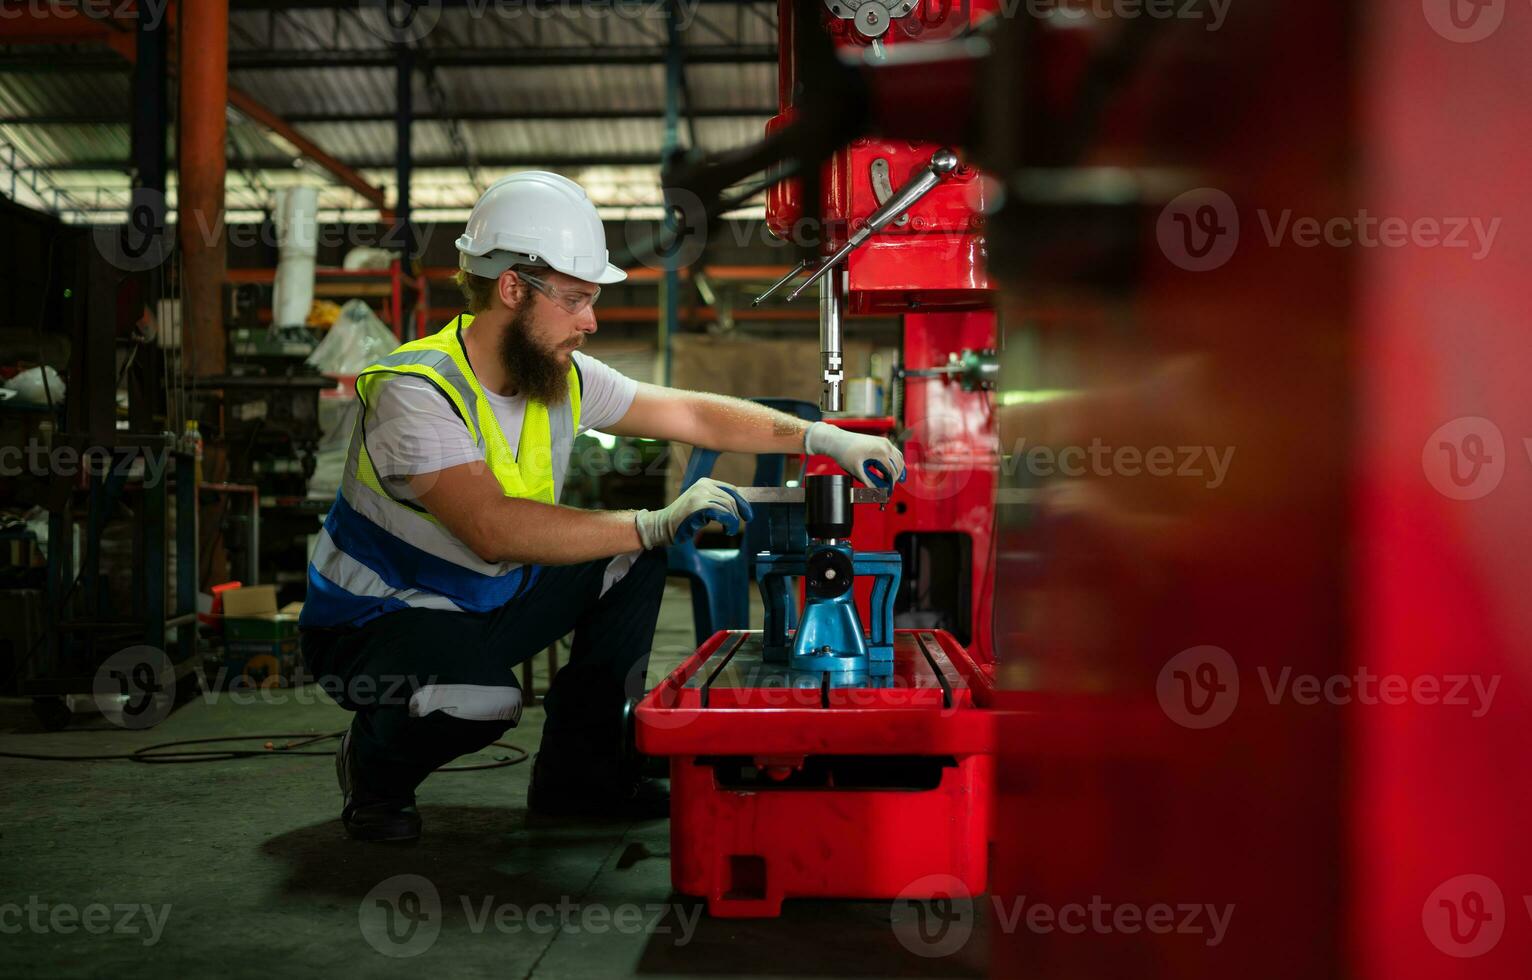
x=635 y=799
x=368 y=817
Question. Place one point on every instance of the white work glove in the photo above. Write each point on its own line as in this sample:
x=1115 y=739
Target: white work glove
x=872 y=459
x=704 y=501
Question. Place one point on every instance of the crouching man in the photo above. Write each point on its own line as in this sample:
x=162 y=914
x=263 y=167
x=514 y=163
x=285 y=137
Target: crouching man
x=445 y=561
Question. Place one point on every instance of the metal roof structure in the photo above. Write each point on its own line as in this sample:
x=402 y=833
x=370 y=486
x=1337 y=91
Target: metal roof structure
x=576 y=86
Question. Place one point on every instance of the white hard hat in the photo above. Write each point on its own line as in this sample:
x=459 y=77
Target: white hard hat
x=536 y=218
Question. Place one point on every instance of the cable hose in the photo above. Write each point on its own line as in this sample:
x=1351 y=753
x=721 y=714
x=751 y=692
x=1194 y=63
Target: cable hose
x=155 y=754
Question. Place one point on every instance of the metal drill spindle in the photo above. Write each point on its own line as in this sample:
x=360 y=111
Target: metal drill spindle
x=832 y=295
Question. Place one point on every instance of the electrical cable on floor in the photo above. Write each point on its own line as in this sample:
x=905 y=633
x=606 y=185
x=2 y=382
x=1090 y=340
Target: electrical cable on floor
x=154 y=754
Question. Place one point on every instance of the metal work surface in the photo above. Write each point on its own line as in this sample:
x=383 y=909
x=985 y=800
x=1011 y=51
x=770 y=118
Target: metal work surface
x=736 y=665
x=723 y=699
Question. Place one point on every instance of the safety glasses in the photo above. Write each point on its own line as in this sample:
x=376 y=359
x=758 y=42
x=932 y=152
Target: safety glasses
x=573 y=302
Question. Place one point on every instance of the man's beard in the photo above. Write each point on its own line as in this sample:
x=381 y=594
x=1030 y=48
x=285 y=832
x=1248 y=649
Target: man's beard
x=536 y=373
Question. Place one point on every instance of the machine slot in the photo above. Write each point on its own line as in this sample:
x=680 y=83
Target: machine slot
x=926 y=641
x=910 y=773
x=735 y=642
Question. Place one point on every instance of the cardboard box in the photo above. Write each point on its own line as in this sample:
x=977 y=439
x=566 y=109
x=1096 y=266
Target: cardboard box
x=249 y=665
x=260 y=643
x=260 y=629
x=251 y=600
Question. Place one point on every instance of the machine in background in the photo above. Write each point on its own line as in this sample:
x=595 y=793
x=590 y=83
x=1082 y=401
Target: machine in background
x=118 y=483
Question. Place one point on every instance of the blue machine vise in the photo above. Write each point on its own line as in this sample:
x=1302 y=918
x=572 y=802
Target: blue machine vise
x=827 y=641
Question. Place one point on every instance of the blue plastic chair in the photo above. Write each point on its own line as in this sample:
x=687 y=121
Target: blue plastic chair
x=720 y=577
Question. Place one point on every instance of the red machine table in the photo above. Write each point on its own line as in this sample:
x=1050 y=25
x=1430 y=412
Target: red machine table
x=785 y=786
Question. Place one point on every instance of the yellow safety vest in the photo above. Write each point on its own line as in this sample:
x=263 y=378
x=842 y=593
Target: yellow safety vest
x=377 y=554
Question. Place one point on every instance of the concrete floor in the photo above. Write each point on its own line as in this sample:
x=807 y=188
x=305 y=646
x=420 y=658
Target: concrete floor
x=241 y=868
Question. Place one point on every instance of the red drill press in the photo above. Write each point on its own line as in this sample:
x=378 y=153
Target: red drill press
x=875 y=789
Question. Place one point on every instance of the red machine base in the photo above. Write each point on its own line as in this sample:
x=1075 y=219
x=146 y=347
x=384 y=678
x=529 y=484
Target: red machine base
x=786 y=788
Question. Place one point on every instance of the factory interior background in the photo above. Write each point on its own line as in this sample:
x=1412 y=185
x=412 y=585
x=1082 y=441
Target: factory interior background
x=1193 y=643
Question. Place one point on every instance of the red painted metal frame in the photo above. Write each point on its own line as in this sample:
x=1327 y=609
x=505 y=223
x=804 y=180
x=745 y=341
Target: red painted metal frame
x=825 y=842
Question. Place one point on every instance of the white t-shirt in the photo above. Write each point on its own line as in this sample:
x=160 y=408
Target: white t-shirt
x=412 y=428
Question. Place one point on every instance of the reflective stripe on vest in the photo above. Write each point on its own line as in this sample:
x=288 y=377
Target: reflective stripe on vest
x=377 y=554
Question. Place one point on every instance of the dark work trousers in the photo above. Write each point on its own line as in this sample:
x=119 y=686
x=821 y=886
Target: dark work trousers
x=429 y=685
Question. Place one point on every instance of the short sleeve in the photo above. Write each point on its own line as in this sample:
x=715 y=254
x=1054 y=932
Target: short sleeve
x=605 y=393
x=412 y=428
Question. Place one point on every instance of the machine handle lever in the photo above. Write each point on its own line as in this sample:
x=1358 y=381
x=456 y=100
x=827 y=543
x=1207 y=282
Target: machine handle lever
x=780 y=283
x=942 y=163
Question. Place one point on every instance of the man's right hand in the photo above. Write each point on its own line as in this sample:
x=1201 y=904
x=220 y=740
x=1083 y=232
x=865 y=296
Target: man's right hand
x=705 y=501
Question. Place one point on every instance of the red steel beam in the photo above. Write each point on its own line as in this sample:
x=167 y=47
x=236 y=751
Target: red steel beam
x=203 y=131
x=259 y=113
x=720 y=273
x=38 y=24
x=651 y=314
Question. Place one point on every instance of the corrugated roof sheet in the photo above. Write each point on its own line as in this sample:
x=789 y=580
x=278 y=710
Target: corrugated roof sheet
x=506 y=23
x=62 y=147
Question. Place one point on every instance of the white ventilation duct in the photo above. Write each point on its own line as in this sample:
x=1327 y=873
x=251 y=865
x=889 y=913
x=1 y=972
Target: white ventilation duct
x=297 y=240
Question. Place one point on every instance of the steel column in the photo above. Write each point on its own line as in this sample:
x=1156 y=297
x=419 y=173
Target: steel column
x=404 y=114
x=204 y=64
x=151 y=70
x=670 y=288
